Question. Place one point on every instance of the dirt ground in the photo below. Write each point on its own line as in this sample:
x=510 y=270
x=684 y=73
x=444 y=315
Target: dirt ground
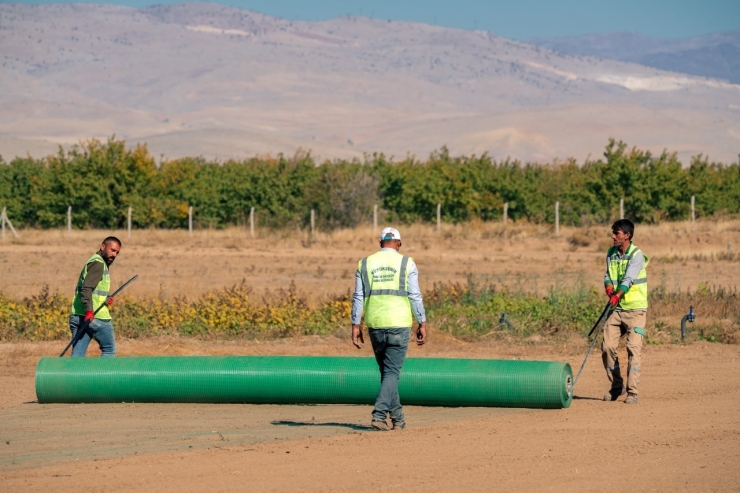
x=684 y=435
x=171 y=263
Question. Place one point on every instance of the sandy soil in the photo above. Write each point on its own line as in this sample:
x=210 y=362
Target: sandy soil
x=170 y=263
x=684 y=435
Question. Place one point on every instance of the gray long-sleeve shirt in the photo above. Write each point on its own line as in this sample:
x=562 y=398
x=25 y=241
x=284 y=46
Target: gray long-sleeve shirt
x=417 y=304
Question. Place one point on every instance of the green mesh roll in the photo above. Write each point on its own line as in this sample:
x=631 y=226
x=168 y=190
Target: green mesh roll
x=301 y=380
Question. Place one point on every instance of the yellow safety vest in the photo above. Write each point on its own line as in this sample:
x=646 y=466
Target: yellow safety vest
x=385 y=284
x=99 y=294
x=636 y=297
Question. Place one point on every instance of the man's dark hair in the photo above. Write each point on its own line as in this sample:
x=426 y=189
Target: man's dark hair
x=113 y=239
x=626 y=226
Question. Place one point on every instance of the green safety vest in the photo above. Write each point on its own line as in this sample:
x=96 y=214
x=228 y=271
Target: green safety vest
x=99 y=294
x=385 y=284
x=636 y=297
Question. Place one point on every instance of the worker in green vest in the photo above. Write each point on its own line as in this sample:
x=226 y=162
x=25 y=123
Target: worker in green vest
x=387 y=289
x=91 y=293
x=625 y=284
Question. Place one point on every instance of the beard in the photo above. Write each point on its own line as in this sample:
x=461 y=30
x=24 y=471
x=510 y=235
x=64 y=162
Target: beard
x=108 y=260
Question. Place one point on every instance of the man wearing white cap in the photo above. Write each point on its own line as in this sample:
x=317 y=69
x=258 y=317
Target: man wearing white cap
x=387 y=288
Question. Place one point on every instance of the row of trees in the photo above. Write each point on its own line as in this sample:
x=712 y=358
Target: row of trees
x=100 y=180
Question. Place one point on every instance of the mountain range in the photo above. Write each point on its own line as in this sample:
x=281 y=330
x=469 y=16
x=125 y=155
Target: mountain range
x=206 y=79
x=715 y=55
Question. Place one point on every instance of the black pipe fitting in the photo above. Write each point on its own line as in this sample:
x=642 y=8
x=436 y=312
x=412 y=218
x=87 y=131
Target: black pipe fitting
x=687 y=318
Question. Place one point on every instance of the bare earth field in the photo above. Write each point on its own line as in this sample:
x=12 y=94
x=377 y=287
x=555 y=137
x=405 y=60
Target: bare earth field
x=684 y=435
x=170 y=263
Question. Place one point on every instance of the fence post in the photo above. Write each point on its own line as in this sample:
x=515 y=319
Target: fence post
x=190 y=220
x=6 y=220
x=375 y=218
x=69 y=221
x=621 y=208
x=439 y=217
x=693 y=213
x=251 y=222
x=557 y=218
x=506 y=217
x=129 y=222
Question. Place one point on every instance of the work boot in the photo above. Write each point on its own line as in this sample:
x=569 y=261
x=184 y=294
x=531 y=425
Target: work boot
x=380 y=425
x=631 y=399
x=614 y=394
x=399 y=425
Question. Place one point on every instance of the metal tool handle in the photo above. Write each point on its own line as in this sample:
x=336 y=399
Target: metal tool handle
x=605 y=316
x=85 y=325
x=608 y=304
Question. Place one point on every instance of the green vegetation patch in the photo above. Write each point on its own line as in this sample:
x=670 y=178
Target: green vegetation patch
x=468 y=311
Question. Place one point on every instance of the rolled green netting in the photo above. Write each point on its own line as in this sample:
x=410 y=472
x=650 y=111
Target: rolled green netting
x=301 y=380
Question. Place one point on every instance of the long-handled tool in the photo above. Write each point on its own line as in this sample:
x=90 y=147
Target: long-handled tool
x=604 y=316
x=81 y=331
x=608 y=305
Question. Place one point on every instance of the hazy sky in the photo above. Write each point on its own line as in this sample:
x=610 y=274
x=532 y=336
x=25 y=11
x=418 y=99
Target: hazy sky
x=511 y=18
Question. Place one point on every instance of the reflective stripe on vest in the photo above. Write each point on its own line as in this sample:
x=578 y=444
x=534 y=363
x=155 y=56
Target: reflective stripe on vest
x=99 y=294
x=636 y=297
x=385 y=286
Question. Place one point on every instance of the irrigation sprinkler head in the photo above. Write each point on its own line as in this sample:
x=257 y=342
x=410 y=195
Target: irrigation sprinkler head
x=690 y=317
x=505 y=321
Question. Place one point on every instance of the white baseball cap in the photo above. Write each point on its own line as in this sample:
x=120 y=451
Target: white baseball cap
x=390 y=234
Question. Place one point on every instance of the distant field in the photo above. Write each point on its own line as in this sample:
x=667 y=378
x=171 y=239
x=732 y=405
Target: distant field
x=170 y=263
x=526 y=261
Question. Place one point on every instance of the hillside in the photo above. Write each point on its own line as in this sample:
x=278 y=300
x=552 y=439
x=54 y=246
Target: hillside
x=194 y=79
x=715 y=55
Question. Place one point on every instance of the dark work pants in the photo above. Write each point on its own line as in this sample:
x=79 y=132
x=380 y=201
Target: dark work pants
x=389 y=346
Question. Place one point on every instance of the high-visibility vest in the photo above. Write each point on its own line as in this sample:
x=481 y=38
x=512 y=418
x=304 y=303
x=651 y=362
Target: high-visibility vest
x=636 y=297
x=385 y=280
x=99 y=294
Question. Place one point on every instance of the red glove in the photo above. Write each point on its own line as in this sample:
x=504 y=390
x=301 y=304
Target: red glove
x=110 y=302
x=609 y=290
x=89 y=316
x=614 y=300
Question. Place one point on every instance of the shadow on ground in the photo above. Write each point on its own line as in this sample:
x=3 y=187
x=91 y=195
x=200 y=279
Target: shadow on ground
x=352 y=426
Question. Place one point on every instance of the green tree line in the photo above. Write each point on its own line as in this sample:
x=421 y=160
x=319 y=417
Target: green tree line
x=101 y=180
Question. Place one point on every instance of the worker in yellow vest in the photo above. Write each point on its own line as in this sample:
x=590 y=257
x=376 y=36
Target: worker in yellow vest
x=91 y=293
x=625 y=284
x=387 y=289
